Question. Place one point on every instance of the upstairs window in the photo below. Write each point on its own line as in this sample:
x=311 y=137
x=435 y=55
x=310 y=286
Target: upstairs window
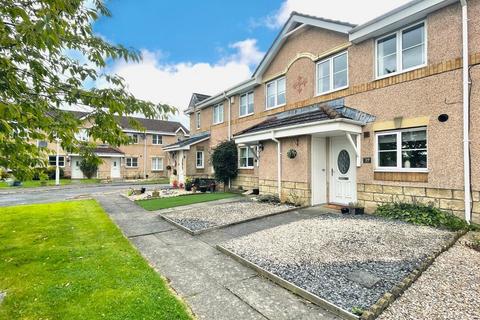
x=82 y=135
x=246 y=104
x=157 y=139
x=404 y=150
x=133 y=138
x=246 y=158
x=276 y=93
x=197 y=120
x=218 y=113
x=332 y=73
x=401 y=51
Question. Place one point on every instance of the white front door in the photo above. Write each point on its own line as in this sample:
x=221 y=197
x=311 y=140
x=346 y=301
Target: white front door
x=115 y=168
x=181 y=174
x=343 y=171
x=319 y=171
x=76 y=171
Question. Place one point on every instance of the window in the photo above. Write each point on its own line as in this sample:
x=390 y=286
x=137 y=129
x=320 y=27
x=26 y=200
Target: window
x=82 y=135
x=52 y=161
x=157 y=164
x=197 y=120
x=218 y=113
x=133 y=137
x=402 y=51
x=157 y=139
x=276 y=93
x=404 y=150
x=246 y=104
x=246 y=158
x=131 y=162
x=332 y=73
x=200 y=159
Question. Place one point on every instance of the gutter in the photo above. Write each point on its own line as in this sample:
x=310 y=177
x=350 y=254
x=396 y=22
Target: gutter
x=466 y=115
x=279 y=165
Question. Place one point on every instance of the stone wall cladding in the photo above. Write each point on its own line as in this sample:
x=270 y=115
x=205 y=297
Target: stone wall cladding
x=372 y=195
x=295 y=192
x=245 y=182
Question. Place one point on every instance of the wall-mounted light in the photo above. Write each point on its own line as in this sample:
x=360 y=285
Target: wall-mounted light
x=260 y=146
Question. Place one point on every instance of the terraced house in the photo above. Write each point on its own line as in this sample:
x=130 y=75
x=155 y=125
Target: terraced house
x=337 y=113
x=143 y=158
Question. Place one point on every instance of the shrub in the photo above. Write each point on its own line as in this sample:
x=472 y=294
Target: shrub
x=421 y=214
x=225 y=161
x=269 y=198
x=89 y=166
x=4 y=174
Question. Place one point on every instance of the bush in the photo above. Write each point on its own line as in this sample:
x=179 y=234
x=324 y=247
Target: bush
x=4 y=174
x=421 y=214
x=225 y=161
x=89 y=166
x=47 y=173
x=269 y=198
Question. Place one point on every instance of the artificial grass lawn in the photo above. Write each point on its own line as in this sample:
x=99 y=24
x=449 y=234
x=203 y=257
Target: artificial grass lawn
x=69 y=261
x=36 y=183
x=171 y=202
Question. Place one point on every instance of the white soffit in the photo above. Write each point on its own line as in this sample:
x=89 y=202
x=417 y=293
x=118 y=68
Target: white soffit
x=397 y=18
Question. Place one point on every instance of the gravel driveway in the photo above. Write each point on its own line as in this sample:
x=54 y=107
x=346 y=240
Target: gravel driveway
x=349 y=261
x=448 y=289
x=214 y=215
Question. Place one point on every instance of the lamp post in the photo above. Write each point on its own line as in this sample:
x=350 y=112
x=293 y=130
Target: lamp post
x=57 y=168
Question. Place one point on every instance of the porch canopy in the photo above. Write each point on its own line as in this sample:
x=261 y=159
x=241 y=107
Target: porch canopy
x=326 y=119
x=187 y=143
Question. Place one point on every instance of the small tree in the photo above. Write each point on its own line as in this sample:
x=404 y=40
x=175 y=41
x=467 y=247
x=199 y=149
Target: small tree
x=89 y=166
x=225 y=161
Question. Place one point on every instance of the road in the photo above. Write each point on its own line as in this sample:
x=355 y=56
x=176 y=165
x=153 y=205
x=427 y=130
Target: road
x=37 y=195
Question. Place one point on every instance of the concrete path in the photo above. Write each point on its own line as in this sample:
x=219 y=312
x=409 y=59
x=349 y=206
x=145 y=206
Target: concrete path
x=213 y=285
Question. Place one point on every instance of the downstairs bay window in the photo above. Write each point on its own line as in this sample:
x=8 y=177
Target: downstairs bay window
x=402 y=150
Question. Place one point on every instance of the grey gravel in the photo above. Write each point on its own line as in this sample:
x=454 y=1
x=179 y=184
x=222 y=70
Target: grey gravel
x=320 y=254
x=215 y=215
x=448 y=289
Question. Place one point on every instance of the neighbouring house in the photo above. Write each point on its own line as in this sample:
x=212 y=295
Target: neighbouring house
x=339 y=113
x=143 y=158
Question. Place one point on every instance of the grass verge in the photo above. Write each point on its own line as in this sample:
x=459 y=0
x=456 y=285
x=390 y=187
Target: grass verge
x=171 y=202
x=69 y=261
x=36 y=183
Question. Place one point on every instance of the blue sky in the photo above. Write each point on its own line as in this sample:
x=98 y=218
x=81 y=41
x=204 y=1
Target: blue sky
x=210 y=45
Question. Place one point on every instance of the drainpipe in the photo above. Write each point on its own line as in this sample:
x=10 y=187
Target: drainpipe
x=279 y=165
x=229 y=115
x=466 y=115
x=145 y=155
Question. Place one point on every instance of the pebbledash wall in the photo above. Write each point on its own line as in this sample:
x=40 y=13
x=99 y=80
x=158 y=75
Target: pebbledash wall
x=409 y=99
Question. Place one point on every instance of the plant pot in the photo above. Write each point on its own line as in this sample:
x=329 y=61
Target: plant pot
x=359 y=211
x=345 y=210
x=155 y=194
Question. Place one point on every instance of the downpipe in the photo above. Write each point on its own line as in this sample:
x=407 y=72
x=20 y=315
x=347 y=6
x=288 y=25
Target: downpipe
x=279 y=165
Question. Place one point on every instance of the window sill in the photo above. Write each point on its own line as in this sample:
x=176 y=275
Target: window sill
x=331 y=91
x=400 y=72
x=246 y=115
x=159 y=170
x=246 y=168
x=214 y=124
x=402 y=171
x=275 y=107
x=200 y=167
x=131 y=167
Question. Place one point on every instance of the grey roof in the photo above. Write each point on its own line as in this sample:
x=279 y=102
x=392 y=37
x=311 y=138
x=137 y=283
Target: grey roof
x=190 y=141
x=197 y=98
x=318 y=112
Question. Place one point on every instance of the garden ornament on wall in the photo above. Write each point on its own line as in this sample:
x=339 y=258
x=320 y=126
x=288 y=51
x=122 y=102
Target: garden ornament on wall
x=292 y=154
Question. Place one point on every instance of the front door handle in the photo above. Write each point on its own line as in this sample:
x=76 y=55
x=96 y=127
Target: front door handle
x=332 y=172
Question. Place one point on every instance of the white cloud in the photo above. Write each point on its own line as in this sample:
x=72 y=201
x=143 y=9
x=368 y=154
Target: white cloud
x=159 y=82
x=353 y=11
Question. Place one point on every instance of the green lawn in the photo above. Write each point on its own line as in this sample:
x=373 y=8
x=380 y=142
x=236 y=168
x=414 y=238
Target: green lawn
x=36 y=183
x=69 y=261
x=165 y=203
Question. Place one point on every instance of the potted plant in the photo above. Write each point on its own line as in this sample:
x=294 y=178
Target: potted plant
x=156 y=193
x=356 y=208
x=188 y=184
x=292 y=154
x=169 y=167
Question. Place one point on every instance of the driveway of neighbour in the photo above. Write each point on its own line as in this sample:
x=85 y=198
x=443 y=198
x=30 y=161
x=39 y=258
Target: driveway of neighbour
x=214 y=285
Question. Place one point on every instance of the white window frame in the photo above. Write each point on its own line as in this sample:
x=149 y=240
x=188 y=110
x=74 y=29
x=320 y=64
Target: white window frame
x=136 y=135
x=82 y=135
x=331 y=73
x=216 y=112
x=246 y=95
x=399 y=167
x=156 y=141
x=276 y=105
x=399 y=52
x=55 y=161
x=250 y=154
x=198 y=120
x=155 y=161
x=202 y=165
x=131 y=162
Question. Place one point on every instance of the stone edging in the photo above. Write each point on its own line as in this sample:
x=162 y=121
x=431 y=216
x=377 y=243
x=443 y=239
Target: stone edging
x=291 y=287
x=194 y=233
x=375 y=310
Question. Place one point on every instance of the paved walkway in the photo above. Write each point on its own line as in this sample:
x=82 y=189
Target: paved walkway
x=213 y=285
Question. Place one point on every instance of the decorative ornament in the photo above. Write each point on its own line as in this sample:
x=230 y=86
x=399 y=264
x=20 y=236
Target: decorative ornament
x=299 y=84
x=292 y=154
